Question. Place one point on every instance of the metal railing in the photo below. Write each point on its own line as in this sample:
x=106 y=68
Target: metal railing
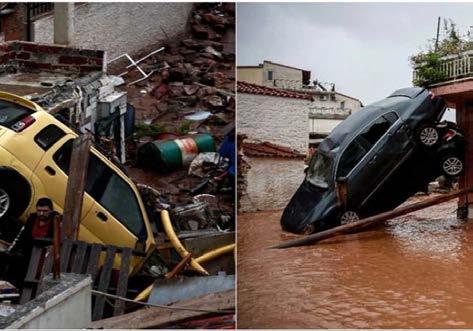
x=453 y=67
x=39 y=8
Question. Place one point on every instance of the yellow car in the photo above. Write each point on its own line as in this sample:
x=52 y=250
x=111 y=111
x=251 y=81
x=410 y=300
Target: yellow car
x=35 y=151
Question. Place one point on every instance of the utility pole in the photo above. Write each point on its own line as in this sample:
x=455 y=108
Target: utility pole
x=438 y=32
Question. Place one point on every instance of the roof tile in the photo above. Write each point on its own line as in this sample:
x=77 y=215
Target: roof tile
x=244 y=87
x=267 y=149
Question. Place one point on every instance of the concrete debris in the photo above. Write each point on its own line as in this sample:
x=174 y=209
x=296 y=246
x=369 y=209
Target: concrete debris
x=196 y=167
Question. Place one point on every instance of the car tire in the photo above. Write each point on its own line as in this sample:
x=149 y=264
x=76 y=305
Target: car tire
x=349 y=217
x=14 y=198
x=452 y=166
x=5 y=202
x=428 y=135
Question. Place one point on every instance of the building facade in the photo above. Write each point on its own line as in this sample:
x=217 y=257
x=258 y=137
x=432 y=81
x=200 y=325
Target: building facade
x=273 y=175
x=274 y=115
x=273 y=74
x=274 y=122
x=116 y=27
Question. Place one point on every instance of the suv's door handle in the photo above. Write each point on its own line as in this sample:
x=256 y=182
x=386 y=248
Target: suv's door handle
x=50 y=170
x=102 y=216
x=373 y=159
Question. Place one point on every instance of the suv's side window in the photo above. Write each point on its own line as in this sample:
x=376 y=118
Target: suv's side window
x=107 y=188
x=48 y=136
x=364 y=142
x=350 y=158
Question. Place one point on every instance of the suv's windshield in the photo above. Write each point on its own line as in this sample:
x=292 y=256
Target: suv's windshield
x=319 y=171
x=10 y=113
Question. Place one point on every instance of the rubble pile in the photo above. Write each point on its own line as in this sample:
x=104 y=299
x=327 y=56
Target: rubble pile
x=190 y=94
x=190 y=91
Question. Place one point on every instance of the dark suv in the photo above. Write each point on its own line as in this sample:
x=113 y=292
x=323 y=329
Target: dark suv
x=374 y=160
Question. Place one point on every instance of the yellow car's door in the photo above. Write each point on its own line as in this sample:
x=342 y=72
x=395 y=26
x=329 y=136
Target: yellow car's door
x=119 y=219
x=52 y=172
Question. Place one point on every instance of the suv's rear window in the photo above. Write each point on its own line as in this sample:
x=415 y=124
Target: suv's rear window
x=10 y=113
x=49 y=136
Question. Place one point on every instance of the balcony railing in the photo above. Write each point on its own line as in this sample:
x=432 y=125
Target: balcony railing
x=453 y=67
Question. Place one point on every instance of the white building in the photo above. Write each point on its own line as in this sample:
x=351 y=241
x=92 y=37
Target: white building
x=275 y=123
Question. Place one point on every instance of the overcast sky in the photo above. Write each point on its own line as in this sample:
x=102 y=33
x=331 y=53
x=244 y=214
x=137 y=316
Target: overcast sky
x=363 y=48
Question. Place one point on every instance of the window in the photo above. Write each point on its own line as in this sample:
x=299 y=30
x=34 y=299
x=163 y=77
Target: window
x=108 y=189
x=48 y=136
x=364 y=142
x=120 y=200
x=351 y=156
x=320 y=169
x=63 y=156
x=391 y=117
x=270 y=75
x=376 y=130
x=342 y=105
x=10 y=113
x=323 y=97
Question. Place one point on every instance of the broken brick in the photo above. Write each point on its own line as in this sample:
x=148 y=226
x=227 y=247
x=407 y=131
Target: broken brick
x=177 y=74
x=159 y=91
x=191 y=89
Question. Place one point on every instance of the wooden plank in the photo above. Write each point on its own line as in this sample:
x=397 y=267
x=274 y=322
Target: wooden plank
x=178 y=268
x=154 y=317
x=65 y=255
x=104 y=283
x=358 y=225
x=75 y=185
x=122 y=287
x=93 y=263
x=79 y=257
x=46 y=269
x=30 y=279
x=56 y=250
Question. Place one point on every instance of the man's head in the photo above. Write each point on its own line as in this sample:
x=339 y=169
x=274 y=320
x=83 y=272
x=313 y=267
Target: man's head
x=44 y=207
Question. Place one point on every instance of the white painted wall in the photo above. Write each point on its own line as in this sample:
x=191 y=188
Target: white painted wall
x=335 y=106
x=320 y=125
x=120 y=27
x=282 y=121
x=271 y=183
x=71 y=309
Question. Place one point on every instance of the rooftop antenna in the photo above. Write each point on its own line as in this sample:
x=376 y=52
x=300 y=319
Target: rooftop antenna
x=437 y=38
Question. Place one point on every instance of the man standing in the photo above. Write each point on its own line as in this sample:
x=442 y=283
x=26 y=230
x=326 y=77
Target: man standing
x=39 y=225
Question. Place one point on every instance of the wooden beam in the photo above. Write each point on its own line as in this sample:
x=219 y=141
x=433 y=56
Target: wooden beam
x=75 y=185
x=155 y=317
x=178 y=268
x=313 y=238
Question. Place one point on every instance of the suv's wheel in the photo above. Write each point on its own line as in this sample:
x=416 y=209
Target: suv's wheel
x=14 y=197
x=452 y=166
x=428 y=135
x=349 y=217
x=5 y=203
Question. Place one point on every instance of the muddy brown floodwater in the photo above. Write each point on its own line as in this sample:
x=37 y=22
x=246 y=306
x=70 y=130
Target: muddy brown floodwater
x=415 y=271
